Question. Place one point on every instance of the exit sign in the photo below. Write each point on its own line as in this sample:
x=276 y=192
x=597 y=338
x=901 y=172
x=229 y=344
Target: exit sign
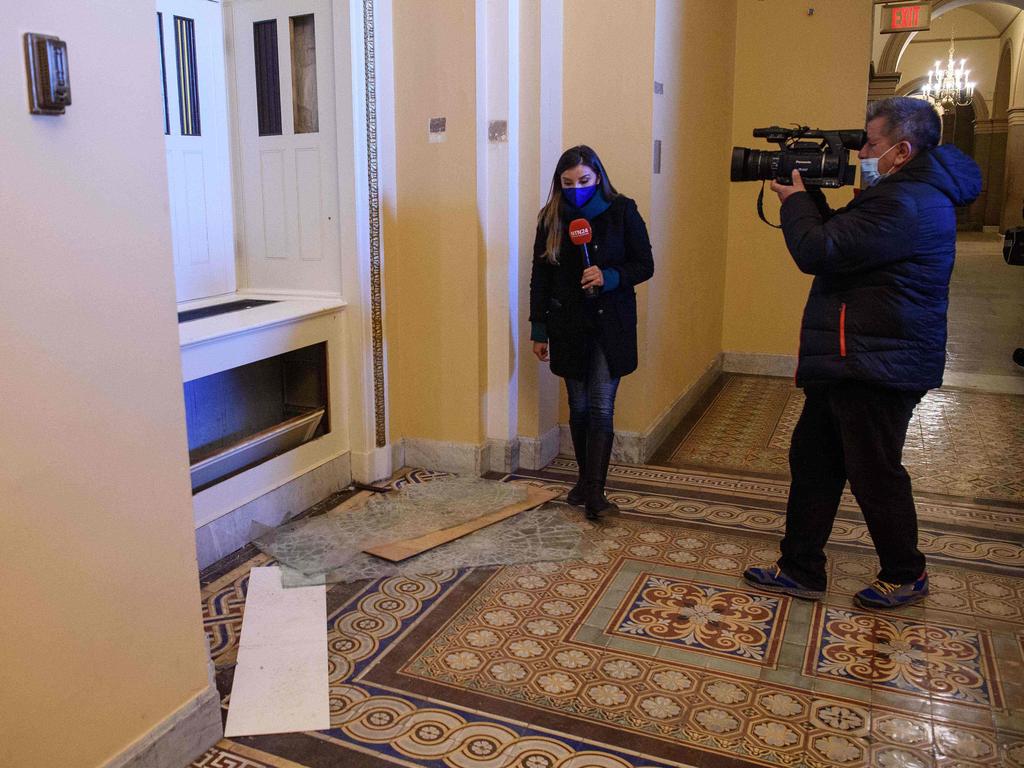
x=906 y=17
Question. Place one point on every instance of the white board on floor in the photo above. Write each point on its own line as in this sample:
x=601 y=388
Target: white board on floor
x=280 y=683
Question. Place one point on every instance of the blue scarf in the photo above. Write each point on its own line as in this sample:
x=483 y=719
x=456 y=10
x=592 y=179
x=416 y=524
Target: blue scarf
x=594 y=207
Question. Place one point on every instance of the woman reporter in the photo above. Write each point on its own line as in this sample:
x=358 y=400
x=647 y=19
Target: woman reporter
x=584 y=317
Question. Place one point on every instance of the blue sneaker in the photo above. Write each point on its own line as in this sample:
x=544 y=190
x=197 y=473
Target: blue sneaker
x=886 y=595
x=772 y=579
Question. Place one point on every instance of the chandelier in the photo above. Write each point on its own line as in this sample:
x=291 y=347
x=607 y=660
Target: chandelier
x=949 y=87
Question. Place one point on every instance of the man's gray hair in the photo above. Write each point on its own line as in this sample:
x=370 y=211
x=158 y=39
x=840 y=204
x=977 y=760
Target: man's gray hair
x=908 y=119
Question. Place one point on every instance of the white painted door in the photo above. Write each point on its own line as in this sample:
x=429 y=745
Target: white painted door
x=285 y=128
x=191 y=39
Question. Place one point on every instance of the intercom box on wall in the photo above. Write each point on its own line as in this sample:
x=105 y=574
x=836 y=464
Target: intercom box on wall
x=49 y=85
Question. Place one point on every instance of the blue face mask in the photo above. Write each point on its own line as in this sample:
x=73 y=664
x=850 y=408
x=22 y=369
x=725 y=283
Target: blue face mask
x=579 y=196
x=869 y=168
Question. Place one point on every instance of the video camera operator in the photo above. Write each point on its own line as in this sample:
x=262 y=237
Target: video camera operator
x=872 y=343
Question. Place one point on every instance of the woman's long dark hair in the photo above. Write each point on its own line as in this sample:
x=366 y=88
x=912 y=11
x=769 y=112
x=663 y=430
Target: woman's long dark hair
x=550 y=214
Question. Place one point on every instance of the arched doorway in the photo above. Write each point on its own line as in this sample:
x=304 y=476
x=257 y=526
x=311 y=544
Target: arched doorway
x=984 y=136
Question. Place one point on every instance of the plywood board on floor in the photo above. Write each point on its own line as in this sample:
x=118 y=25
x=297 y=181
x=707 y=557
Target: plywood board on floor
x=396 y=551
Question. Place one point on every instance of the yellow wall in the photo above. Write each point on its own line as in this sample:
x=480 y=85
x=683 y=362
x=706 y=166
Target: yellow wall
x=688 y=224
x=608 y=61
x=790 y=67
x=432 y=264
x=613 y=107
x=723 y=280
x=102 y=636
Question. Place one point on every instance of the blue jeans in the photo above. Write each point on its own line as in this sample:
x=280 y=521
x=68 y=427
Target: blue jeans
x=592 y=400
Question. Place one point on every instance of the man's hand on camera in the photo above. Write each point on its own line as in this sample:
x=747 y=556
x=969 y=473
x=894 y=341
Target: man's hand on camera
x=784 y=191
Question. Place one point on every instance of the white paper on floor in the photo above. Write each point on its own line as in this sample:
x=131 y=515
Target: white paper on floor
x=280 y=683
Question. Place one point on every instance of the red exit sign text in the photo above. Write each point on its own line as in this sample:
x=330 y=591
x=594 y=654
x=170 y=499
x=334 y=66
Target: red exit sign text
x=905 y=17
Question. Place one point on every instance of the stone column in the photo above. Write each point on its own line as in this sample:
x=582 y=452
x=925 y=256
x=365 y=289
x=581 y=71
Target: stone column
x=996 y=174
x=982 y=155
x=1013 y=198
x=882 y=85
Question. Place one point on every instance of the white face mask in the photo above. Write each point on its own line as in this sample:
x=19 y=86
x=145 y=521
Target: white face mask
x=869 y=168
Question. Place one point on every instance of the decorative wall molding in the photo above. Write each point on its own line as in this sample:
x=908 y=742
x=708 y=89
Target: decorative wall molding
x=376 y=305
x=1014 y=116
x=987 y=127
x=883 y=85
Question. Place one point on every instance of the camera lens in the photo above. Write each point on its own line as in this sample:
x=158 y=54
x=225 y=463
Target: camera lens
x=739 y=163
x=753 y=164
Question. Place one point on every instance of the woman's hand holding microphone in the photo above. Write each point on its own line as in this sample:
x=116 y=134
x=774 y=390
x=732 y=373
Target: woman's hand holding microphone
x=592 y=278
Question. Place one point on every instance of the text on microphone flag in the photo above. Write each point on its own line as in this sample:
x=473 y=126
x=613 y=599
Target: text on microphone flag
x=579 y=231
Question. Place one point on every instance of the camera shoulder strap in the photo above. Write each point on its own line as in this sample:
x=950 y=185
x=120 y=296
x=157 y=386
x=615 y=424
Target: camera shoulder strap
x=760 y=208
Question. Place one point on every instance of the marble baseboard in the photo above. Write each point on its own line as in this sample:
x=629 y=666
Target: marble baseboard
x=467 y=459
x=759 y=364
x=627 y=447
x=232 y=531
x=537 y=452
x=373 y=465
x=671 y=417
x=502 y=455
x=180 y=738
x=982 y=382
x=460 y=458
x=638 y=447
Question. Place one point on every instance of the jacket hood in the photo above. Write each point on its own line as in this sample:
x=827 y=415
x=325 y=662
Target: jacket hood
x=947 y=169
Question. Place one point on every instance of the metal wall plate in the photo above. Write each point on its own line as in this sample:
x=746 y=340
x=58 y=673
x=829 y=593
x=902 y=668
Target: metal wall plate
x=46 y=64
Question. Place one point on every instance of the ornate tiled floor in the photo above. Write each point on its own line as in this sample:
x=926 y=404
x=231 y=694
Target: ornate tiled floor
x=959 y=443
x=652 y=651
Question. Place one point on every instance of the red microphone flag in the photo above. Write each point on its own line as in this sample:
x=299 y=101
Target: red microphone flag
x=579 y=231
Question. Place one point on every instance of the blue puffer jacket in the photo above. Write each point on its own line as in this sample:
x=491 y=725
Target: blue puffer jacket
x=877 y=307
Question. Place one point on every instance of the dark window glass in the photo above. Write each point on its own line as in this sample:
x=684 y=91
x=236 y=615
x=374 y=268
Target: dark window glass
x=268 y=83
x=163 y=71
x=188 y=77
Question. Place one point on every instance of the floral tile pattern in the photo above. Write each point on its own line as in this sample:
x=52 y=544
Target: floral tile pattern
x=652 y=652
x=734 y=623
x=937 y=660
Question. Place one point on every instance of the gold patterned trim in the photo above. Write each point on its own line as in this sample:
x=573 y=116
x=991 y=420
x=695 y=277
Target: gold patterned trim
x=377 y=325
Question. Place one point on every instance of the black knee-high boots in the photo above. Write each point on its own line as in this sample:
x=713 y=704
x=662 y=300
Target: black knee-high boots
x=599 y=453
x=578 y=431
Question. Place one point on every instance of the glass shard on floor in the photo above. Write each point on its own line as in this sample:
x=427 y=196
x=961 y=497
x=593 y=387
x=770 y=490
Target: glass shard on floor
x=329 y=548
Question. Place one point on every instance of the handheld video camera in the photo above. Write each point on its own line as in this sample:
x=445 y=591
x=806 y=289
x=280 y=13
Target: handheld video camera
x=822 y=163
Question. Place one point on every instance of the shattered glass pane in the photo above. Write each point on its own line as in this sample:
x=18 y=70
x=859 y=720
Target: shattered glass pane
x=328 y=548
x=550 y=534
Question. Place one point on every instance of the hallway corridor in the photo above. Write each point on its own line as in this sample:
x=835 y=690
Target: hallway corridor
x=652 y=651
x=986 y=310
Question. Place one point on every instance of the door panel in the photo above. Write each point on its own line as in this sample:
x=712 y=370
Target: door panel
x=289 y=181
x=198 y=170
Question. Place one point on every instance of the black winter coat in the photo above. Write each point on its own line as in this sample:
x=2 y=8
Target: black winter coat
x=620 y=241
x=876 y=312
